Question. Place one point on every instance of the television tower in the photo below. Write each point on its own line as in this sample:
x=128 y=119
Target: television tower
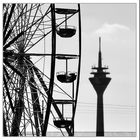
x=100 y=82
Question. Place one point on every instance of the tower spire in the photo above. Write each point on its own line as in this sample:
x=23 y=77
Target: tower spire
x=99 y=44
x=100 y=55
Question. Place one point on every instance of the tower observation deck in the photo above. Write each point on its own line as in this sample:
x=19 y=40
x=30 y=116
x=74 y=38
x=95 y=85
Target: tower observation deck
x=100 y=82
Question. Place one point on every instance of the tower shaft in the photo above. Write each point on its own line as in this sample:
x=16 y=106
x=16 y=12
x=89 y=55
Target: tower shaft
x=100 y=116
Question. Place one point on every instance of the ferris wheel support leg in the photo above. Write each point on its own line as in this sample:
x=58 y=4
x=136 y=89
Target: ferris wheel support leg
x=19 y=107
x=33 y=91
x=17 y=118
x=36 y=99
x=5 y=133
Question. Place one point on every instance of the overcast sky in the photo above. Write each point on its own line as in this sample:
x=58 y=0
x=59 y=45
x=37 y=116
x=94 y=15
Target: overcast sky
x=116 y=24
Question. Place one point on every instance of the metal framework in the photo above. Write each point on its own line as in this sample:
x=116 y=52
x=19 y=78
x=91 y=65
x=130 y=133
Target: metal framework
x=30 y=103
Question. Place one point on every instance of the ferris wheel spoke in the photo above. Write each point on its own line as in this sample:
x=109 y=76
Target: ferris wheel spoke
x=41 y=19
x=5 y=9
x=37 y=24
x=13 y=40
x=12 y=26
x=31 y=22
x=4 y=18
x=9 y=94
x=41 y=80
x=36 y=104
x=6 y=73
x=12 y=85
x=35 y=99
x=23 y=32
x=27 y=23
x=9 y=18
x=28 y=109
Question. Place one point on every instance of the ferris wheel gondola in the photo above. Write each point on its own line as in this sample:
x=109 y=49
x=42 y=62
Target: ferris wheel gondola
x=66 y=31
x=66 y=76
x=65 y=121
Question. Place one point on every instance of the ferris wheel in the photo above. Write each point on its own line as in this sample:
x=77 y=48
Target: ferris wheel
x=40 y=80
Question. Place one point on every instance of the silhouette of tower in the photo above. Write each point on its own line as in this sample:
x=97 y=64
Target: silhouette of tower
x=100 y=82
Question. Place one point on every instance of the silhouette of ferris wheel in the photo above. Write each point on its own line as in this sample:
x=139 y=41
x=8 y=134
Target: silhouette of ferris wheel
x=34 y=91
